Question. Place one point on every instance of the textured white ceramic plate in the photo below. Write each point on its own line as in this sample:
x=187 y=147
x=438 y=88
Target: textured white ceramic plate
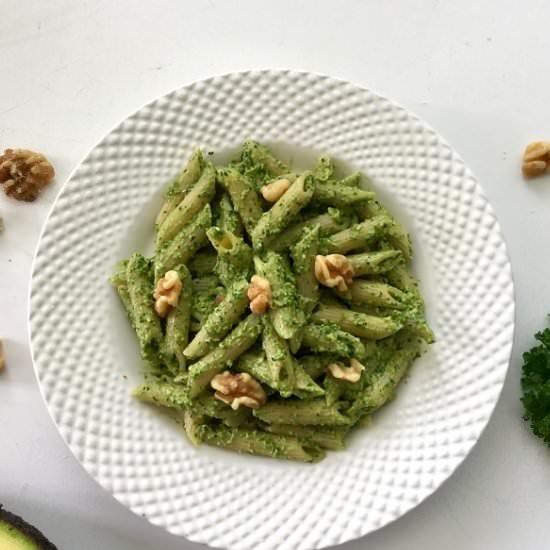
x=86 y=357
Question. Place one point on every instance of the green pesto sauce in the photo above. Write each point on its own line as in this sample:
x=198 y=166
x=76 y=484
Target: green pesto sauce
x=322 y=214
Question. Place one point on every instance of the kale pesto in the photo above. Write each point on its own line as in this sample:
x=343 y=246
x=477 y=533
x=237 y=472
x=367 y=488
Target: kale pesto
x=273 y=380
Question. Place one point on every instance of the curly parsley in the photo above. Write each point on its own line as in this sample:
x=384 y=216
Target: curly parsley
x=535 y=382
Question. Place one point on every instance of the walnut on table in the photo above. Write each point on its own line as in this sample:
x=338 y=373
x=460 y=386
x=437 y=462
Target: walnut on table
x=24 y=173
x=236 y=389
x=536 y=159
x=334 y=271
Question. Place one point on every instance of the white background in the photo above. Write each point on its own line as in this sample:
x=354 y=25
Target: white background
x=477 y=71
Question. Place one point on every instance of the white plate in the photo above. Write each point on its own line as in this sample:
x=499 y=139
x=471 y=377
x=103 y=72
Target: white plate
x=86 y=357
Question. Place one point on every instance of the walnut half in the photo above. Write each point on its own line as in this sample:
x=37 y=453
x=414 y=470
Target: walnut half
x=24 y=173
x=259 y=294
x=350 y=374
x=238 y=389
x=333 y=271
x=536 y=159
x=167 y=293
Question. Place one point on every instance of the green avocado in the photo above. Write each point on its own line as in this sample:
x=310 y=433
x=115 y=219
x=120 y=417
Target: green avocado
x=17 y=534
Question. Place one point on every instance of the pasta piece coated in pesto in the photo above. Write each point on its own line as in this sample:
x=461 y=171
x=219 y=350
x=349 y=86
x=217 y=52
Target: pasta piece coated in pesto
x=207 y=283
x=414 y=317
x=395 y=233
x=324 y=171
x=334 y=194
x=420 y=327
x=316 y=365
x=207 y=293
x=295 y=343
x=304 y=386
x=281 y=214
x=243 y=196
x=334 y=389
x=239 y=340
x=202 y=263
x=227 y=217
x=356 y=237
x=375 y=293
x=353 y=180
x=403 y=280
x=163 y=394
x=279 y=359
x=400 y=239
x=302 y=412
x=381 y=384
x=332 y=221
x=257 y=442
x=120 y=283
x=176 y=396
x=359 y=324
x=184 y=245
x=146 y=323
x=327 y=438
x=303 y=256
x=177 y=324
x=192 y=424
x=234 y=256
x=327 y=337
x=193 y=202
x=255 y=363
x=287 y=312
x=181 y=185
x=374 y=263
x=208 y=406
x=220 y=321
x=254 y=154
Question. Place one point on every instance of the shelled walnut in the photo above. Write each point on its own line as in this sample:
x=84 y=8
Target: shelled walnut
x=167 y=293
x=536 y=159
x=259 y=294
x=350 y=374
x=24 y=173
x=334 y=271
x=238 y=389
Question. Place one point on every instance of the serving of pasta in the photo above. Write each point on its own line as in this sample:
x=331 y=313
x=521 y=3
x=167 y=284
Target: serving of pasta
x=277 y=313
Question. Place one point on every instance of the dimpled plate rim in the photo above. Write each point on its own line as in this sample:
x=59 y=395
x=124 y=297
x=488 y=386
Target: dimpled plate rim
x=246 y=503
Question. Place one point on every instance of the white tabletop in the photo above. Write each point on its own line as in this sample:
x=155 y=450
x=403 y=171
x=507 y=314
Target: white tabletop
x=477 y=71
